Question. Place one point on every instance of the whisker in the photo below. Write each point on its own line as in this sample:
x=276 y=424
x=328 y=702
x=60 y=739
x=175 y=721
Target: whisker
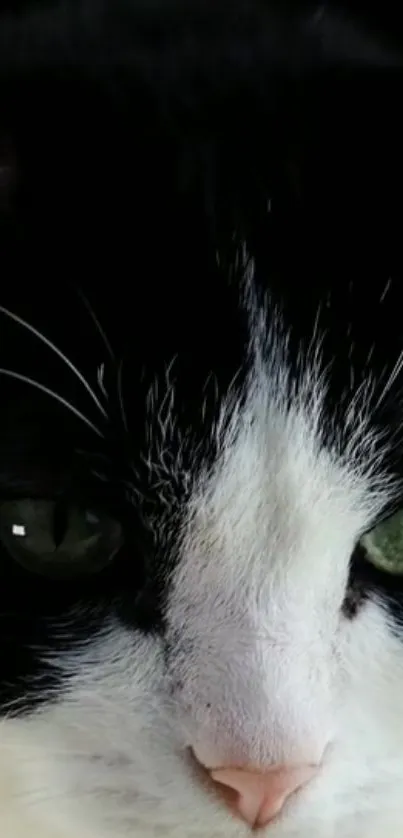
x=58 y=352
x=100 y=379
x=19 y=377
x=120 y=396
x=99 y=476
x=95 y=320
x=392 y=378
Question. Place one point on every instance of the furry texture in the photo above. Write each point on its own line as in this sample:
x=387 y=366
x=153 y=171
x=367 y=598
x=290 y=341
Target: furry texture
x=227 y=396
x=257 y=661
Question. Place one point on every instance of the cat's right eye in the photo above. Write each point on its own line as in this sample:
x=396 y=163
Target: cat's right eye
x=57 y=540
x=383 y=545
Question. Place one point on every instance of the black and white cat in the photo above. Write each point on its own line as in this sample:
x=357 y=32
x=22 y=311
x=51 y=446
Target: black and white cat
x=201 y=446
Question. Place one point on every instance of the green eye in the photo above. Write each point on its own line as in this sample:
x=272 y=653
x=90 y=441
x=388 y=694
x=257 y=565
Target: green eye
x=384 y=544
x=57 y=541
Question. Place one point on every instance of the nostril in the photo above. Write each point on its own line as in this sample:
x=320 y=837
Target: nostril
x=258 y=797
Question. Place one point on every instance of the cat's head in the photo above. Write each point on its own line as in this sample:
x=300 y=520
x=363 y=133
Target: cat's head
x=199 y=481
x=192 y=563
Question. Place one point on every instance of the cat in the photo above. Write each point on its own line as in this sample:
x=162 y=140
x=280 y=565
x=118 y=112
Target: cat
x=201 y=447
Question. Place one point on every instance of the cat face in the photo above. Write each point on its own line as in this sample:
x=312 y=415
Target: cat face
x=227 y=608
x=200 y=423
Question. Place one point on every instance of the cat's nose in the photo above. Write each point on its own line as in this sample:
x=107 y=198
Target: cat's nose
x=258 y=797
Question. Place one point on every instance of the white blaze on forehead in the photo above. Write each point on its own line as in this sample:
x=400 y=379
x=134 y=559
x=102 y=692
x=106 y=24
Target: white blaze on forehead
x=255 y=601
x=278 y=505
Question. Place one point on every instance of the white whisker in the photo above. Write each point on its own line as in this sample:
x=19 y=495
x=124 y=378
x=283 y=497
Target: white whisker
x=58 y=352
x=100 y=379
x=99 y=476
x=120 y=397
x=392 y=378
x=94 y=318
x=19 y=377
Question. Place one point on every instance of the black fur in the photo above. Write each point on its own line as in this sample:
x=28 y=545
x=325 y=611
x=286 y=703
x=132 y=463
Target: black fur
x=142 y=146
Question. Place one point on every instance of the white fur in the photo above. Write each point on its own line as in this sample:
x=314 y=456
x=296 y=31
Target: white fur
x=262 y=665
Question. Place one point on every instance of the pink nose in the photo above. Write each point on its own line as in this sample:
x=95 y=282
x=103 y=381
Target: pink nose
x=258 y=798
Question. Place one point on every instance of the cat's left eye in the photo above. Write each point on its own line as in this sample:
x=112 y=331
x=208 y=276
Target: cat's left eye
x=384 y=544
x=58 y=541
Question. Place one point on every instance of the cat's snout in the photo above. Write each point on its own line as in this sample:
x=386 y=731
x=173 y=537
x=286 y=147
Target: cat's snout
x=258 y=797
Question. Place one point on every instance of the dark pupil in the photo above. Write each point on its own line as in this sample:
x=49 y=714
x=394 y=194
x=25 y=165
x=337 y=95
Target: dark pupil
x=60 y=522
x=58 y=538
